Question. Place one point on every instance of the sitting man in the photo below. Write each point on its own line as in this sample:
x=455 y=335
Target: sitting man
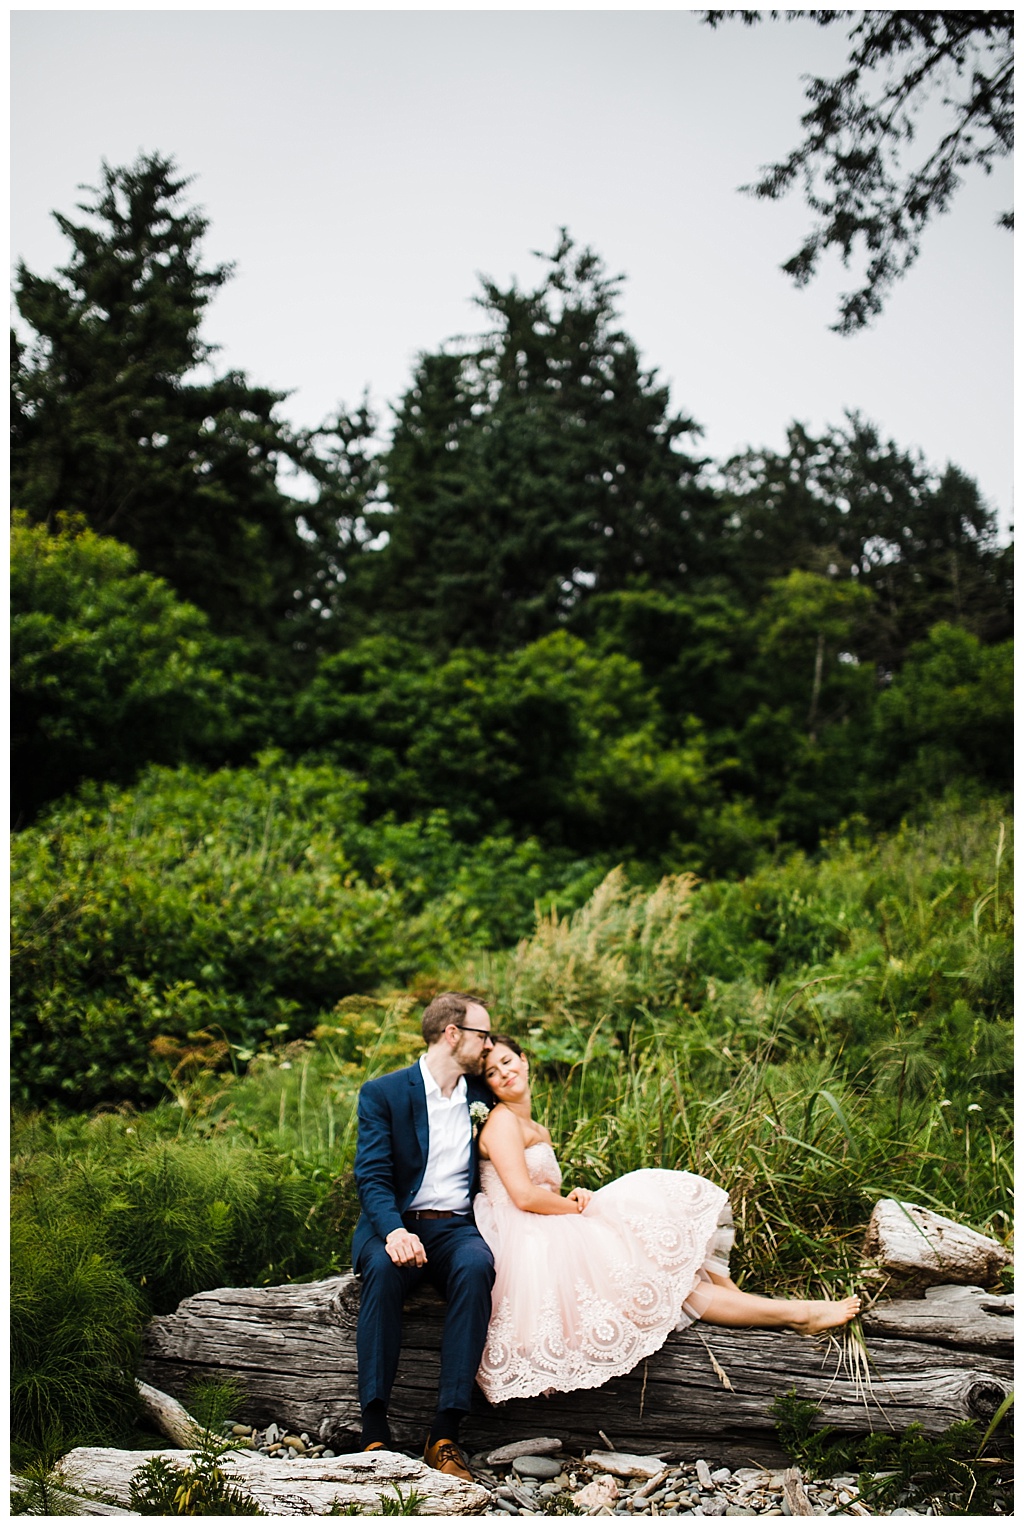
x=416 y=1171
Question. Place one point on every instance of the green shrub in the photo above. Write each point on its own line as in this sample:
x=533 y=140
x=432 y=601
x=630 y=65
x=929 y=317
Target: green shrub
x=176 y=1206
x=109 y=669
x=202 y=1485
x=235 y=907
x=75 y=1321
x=946 y=1471
x=947 y=715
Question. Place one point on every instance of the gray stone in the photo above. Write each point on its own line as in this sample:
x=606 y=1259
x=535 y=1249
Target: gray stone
x=538 y=1446
x=721 y=1476
x=536 y=1467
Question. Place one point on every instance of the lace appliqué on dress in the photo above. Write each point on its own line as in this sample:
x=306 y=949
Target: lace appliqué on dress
x=581 y=1299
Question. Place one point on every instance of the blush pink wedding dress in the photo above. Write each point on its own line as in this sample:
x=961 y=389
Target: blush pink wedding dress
x=581 y=1298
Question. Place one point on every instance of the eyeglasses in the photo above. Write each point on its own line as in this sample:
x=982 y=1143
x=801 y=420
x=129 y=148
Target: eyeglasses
x=484 y=1032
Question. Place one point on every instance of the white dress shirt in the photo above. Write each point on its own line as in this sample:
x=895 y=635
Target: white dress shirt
x=445 y=1183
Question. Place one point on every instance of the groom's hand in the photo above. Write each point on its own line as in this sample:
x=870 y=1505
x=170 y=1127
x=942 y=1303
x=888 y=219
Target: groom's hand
x=405 y=1248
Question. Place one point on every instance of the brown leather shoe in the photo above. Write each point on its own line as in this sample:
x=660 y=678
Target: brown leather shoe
x=445 y=1456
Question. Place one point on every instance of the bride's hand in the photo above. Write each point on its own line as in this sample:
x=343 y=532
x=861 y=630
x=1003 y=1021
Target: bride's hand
x=580 y=1196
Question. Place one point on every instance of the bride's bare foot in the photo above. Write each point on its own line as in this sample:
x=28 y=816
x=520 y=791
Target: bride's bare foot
x=823 y=1314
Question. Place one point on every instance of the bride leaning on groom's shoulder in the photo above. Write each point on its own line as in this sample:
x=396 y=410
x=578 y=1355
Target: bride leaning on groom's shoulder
x=545 y=1292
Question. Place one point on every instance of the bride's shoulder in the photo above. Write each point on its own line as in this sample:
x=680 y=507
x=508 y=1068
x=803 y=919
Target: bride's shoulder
x=499 y=1122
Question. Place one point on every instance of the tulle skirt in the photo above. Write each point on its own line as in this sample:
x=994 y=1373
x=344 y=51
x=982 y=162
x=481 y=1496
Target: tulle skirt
x=581 y=1298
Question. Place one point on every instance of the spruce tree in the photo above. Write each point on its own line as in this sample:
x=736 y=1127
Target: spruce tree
x=115 y=421
x=848 y=504
x=531 y=469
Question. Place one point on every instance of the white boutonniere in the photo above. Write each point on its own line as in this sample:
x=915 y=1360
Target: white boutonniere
x=479 y=1113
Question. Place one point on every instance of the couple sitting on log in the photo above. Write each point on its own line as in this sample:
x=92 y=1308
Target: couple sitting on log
x=459 y=1184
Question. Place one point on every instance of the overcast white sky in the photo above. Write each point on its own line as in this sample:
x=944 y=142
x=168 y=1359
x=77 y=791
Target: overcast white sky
x=361 y=168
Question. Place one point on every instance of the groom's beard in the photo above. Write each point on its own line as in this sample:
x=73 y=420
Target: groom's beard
x=472 y=1064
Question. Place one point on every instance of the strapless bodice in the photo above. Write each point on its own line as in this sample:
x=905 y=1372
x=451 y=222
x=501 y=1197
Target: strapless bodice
x=541 y=1164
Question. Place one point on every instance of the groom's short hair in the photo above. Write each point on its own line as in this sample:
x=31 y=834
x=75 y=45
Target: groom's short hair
x=449 y=1007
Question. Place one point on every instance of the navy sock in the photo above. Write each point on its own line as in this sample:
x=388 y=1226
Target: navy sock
x=375 y=1424
x=445 y=1425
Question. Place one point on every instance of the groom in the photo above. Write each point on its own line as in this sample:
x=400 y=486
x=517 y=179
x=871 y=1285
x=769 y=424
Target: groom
x=416 y=1169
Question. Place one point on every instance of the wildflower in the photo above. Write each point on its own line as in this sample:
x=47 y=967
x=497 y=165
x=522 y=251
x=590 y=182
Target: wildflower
x=945 y=1102
x=974 y=1107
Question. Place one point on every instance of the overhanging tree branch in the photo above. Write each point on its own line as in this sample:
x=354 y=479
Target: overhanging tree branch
x=850 y=161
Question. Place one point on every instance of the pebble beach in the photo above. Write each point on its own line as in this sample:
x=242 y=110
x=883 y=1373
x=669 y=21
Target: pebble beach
x=536 y=1477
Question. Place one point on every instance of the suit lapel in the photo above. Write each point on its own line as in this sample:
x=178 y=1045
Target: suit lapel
x=418 y=1109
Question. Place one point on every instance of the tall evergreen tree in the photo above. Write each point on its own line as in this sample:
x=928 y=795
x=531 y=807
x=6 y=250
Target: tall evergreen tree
x=849 y=504
x=113 y=419
x=530 y=469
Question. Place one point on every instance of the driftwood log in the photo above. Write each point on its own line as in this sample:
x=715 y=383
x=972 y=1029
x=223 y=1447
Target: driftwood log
x=301 y=1486
x=968 y=1318
x=918 y=1249
x=292 y=1349
x=167 y=1416
x=58 y=1502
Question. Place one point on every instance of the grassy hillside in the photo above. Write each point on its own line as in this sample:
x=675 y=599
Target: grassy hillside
x=816 y=1036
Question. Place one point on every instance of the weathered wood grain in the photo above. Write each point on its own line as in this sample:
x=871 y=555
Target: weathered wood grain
x=166 y=1415
x=292 y=1349
x=298 y=1486
x=949 y=1316
x=920 y=1248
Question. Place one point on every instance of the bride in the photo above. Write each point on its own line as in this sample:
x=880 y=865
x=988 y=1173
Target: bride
x=589 y=1284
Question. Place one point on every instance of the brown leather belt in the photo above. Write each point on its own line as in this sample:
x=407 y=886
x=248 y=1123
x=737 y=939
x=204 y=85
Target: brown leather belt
x=434 y=1213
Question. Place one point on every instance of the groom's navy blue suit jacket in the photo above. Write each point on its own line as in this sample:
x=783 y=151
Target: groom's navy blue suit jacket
x=391 y=1153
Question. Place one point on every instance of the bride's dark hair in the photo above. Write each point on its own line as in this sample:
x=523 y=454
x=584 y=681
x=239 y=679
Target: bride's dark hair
x=509 y=1043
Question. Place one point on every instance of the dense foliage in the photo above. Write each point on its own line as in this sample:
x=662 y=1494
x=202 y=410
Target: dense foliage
x=533 y=605
x=817 y=1036
x=233 y=906
x=477 y=712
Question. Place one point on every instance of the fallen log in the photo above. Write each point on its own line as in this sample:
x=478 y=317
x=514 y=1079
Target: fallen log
x=27 y=1500
x=965 y=1317
x=918 y=1248
x=300 y=1486
x=167 y=1416
x=292 y=1350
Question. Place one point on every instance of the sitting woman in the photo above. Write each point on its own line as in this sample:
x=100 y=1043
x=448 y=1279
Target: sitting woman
x=589 y=1284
